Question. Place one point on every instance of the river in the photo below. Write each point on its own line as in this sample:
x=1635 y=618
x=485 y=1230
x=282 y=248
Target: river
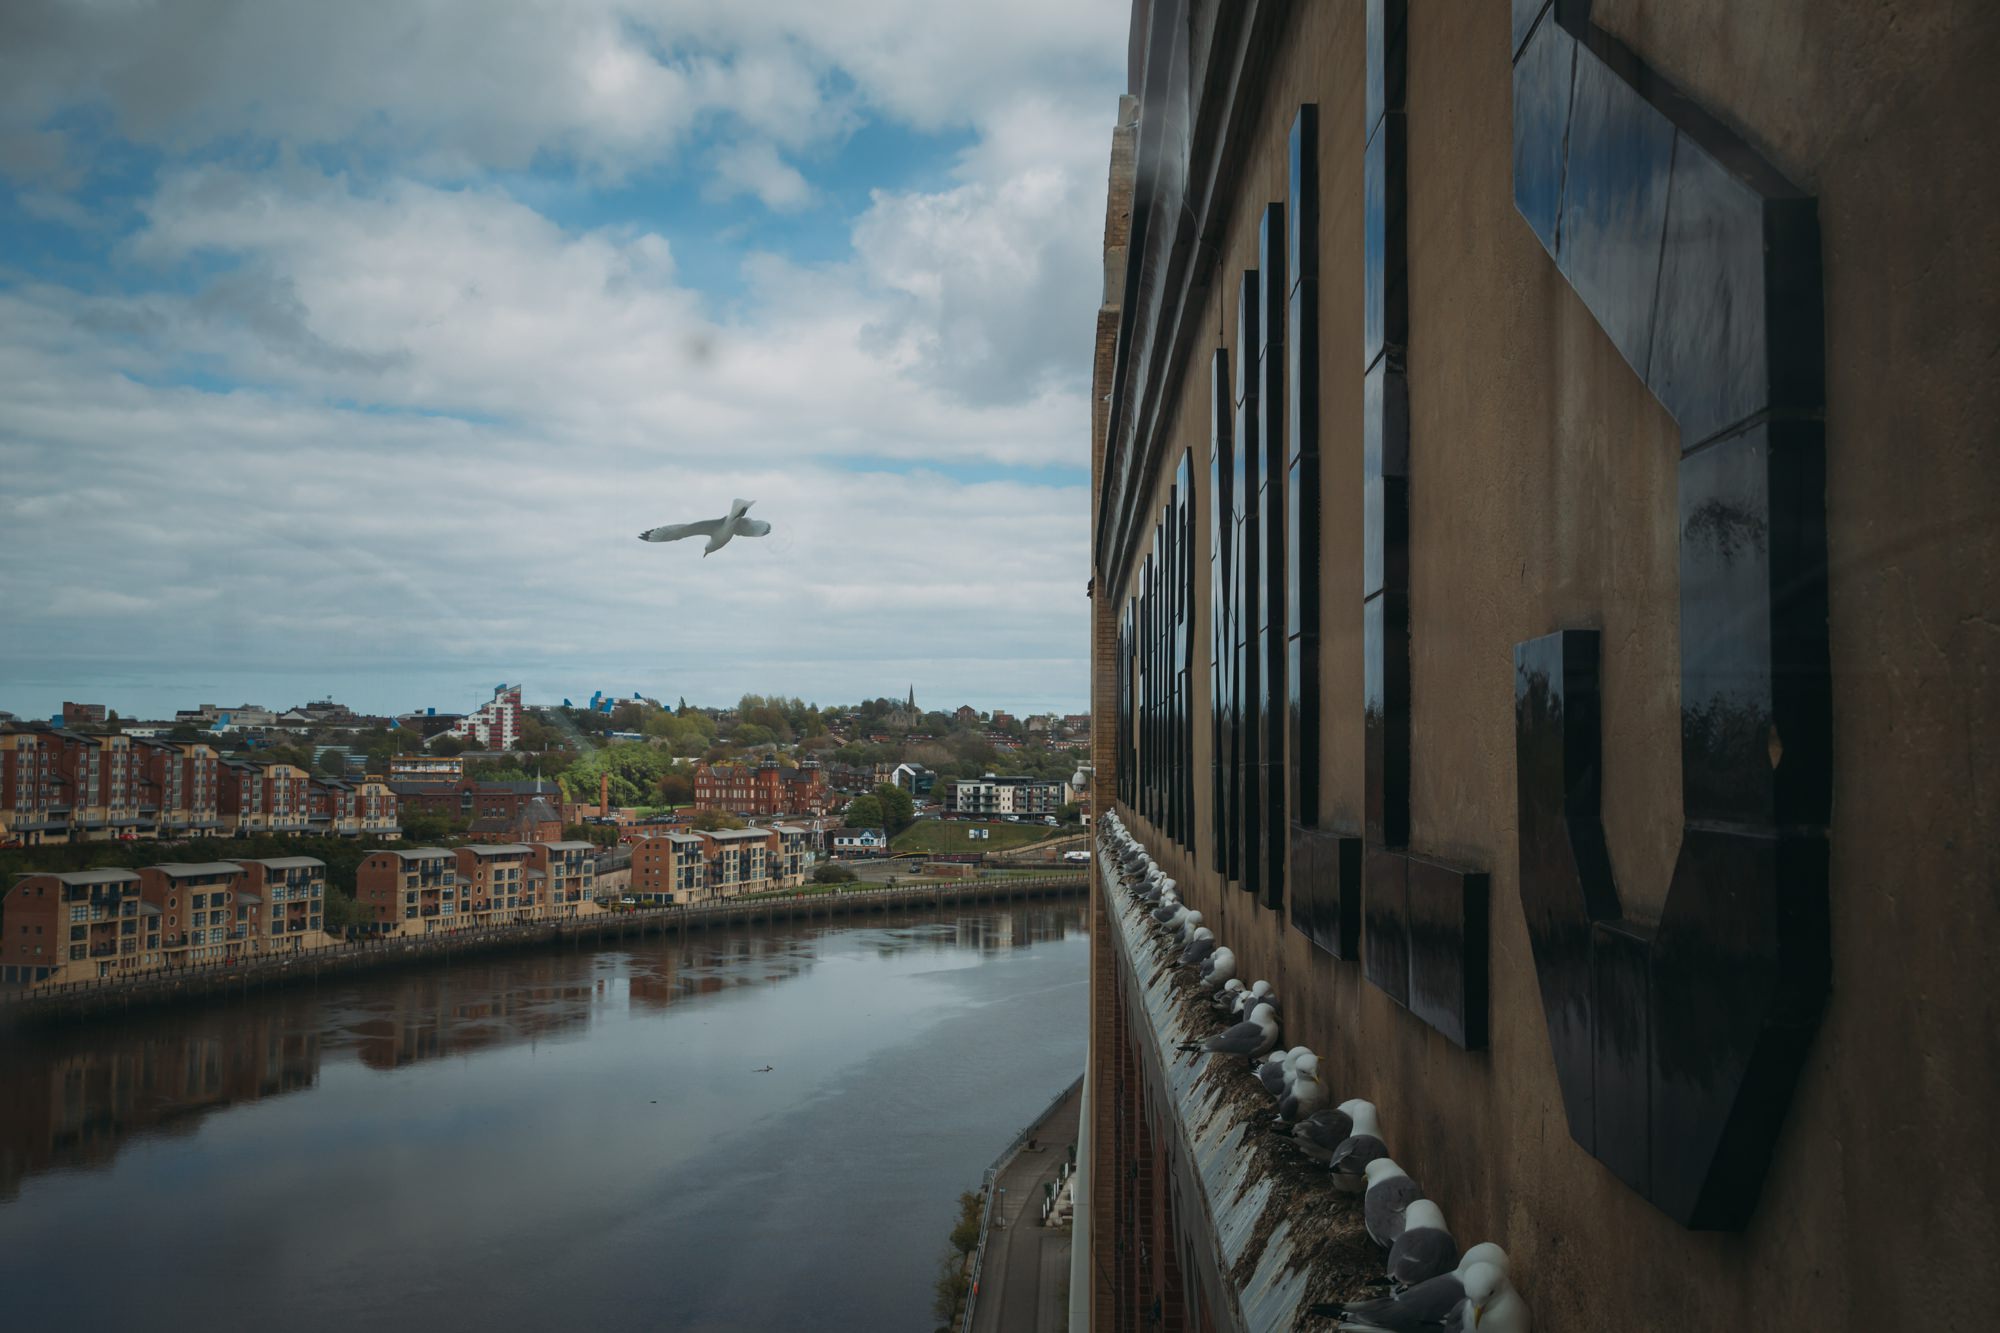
x=565 y=1139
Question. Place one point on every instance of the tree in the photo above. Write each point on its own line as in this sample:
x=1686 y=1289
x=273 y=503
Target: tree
x=899 y=810
x=448 y=746
x=539 y=736
x=296 y=756
x=676 y=788
x=864 y=812
x=333 y=762
x=710 y=820
x=604 y=835
x=965 y=1236
x=1069 y=813
x=832 y=874
x=341 y=911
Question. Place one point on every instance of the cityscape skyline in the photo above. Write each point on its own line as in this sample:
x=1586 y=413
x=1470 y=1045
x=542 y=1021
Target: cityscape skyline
x=453 y=692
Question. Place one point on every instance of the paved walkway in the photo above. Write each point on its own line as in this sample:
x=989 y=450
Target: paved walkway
x=1022 y=1278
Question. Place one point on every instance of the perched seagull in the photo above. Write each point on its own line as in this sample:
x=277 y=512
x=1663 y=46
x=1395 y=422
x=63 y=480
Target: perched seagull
x=1231 y=987
x=1199 y=948
x=1220 y=969
x=1441 y=1305
x=1274 y=1073
x=717 y=530
x=1260 y=992
x=1425 y=1249
x=1250 y=1039
x=1362 y=1146
x=1390 y=1193
x=1189 y=925
x=1305 y=1093
x=1321 y=1132
x=1491 y=1303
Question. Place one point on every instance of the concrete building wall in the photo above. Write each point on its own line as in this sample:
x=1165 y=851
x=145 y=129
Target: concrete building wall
x=1544 y=497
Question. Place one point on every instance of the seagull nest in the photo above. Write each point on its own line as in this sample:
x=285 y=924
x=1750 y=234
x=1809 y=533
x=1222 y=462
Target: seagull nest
x=1327 y=1236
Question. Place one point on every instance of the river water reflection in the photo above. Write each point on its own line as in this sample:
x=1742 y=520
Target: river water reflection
x=552 y=1140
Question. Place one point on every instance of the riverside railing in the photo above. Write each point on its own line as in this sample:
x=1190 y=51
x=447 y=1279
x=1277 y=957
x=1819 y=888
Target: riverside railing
x=988 y=1183
x=384 y=949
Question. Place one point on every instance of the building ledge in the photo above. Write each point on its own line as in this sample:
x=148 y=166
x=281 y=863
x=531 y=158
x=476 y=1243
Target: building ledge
x=1273 y=1234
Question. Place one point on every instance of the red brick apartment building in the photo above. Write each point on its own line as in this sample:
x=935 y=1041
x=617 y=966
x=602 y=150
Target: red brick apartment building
x=350 y=808
x=768 y=788
x=98 y=777
x=87 y=924
x=696 y=867
x=408 y=891
x=564 y=876
x=32 y=810
x=669 y=868
x=424 y=890
x=180 y=785
x=64 y=786
x=68 y=926
x=264 y=797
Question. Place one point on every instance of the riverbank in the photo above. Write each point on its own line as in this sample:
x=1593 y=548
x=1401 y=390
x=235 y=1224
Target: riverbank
x=84 y=1001
x=1021 y=1275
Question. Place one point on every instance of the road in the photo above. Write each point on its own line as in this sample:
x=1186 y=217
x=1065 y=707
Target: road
x=1025 y=1275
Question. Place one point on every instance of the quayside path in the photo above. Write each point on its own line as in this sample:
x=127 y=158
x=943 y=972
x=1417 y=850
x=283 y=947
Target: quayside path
x=90 y=999
x=1024 y=1266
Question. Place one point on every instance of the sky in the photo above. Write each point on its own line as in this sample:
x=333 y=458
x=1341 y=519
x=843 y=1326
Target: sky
x=345 y=349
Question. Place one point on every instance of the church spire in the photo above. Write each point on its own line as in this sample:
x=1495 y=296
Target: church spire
x=912 y=705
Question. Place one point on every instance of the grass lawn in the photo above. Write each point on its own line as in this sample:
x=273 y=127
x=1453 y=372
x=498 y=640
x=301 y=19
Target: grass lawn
x=942 y=835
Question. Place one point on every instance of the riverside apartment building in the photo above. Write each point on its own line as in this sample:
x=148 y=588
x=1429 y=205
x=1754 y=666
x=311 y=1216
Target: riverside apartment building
x=426 y=890
x=675 y=868
x=89 y=924
x=1543 y=567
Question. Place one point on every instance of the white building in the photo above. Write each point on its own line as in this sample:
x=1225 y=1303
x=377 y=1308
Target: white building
x=496 y=724
x=990 y=795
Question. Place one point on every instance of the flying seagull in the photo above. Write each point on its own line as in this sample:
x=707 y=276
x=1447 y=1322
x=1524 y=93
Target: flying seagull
x=717 y=530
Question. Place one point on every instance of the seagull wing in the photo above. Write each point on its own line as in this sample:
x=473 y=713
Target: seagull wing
x=673 y=532
x=752 y=527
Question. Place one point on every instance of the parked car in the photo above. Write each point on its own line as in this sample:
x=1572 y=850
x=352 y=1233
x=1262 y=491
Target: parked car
x=1078 y=855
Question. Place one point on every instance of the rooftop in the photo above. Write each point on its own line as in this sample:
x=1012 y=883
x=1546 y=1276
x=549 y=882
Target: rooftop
x=497 y=849
x=288 y=862
x=190 y=869
x=107 y=875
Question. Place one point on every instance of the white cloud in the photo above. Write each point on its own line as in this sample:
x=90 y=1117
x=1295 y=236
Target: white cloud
x=465 y=84
x=451 y=413
x=756 y=169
